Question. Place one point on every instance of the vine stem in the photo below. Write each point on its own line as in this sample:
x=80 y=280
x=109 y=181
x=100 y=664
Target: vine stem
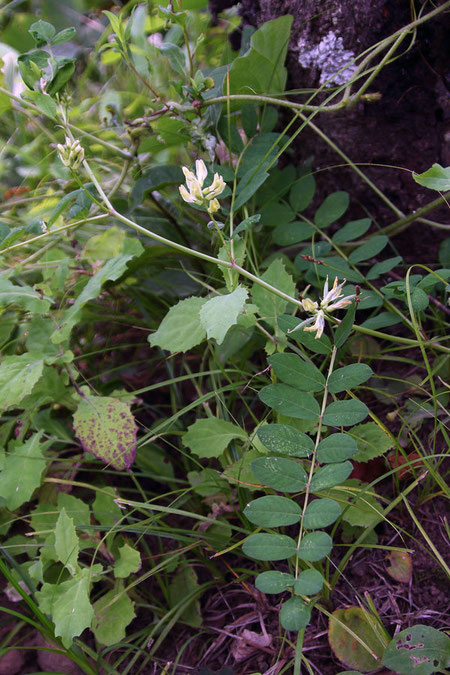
x=313 y=458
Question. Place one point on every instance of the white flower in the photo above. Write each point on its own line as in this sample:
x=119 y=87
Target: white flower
x=318 y=315
x=195 y=193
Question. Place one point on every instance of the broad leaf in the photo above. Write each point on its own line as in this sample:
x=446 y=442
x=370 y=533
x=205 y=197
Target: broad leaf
x=270 y=305
x=295 y=614
x=153 y=179
x=309 y=582
x=292 y=370
x=435 y=178
x=302 y=192
x=336 y=448
x=285 y=440
x=351 y=231
x=269 y=547
x=371 y=440
x=281 y=474
x=22 y=471
x=273 y=582
x=345 y=413
x=368 y=250
x=331 y=209
x=330 y=475
x=421 y=650
x=273 y=511
x=318 y=346
x=347 y=648
x=129 y=562
x=185 y=583
x=24 y=296
x=113 y=613
x=210 y=436
x=321 y=513
x=107 y=429
x=181 y=328
x=72 y=611
x=66 y=542
x=349 y=377
x=315 y=546
x=218 y=314
x=291 y=402
x=18 y=375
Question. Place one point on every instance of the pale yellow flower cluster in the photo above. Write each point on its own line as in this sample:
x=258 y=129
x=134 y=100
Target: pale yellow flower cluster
x=331 y=300
x=71 y=153
x=196 y=193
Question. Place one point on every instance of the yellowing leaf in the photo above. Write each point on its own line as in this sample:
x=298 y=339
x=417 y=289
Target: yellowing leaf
x=210 y=436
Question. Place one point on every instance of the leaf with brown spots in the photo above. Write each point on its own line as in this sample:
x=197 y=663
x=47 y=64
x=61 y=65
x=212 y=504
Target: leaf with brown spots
x=107 y=429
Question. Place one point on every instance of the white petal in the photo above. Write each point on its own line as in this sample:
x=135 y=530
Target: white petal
x=201 y=171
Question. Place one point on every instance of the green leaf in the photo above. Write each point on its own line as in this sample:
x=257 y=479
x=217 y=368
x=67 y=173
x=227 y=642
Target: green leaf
x=315 y=546
x=22 y=471
x=210 y=436
x=66 y=542
x=273 y=511
x=248 y=185
x=368 y=250
x=218 y=314
x=240 y=472
x=308 y=582
x=71 y=609
x=43 y=101
x=273 y=582
x=302 y=192
x=435 y=178
x=383 y=267
x=351 y=231
x=113 y=613
x=321 y=513
x=292 y=370
x=24 y=296
x=345 y=413
x=108 y=244
x=318 y=346
x=289 y=401
x=336 y=448
x=295 y=614
x=285 y=440
x=281 y=474
x=65 y=70
x=330 y=475
x=287 y=234
x=347 y=648
x=64 y=36
x=371 y=441
x=381 y=320
x=106 y=511
x=331 y=209
x=107 y=429
x=349 y=377
x=42 y=32
x=359 y=505
x=269 y=547
x=335 y=266
x=184 y=584
x=233 y=141
x=421 y=650
x=18 y=376
x=176 y=56
x=181 y=328
x=270 y=305
x=129 y=562
x=111 y=271
x=261 y=70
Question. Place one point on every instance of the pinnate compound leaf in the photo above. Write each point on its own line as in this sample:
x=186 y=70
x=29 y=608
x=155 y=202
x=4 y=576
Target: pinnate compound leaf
x=349 y=377
x=346 y=647
x=315 y=546
x=273 y=511
x=281 y=474
x=210 y=436
x=270 y=305
x=18 y=375
x=181 y=328
x=330 y=475
x=113 y=613
x=286 y=440
x=24 y=296
x=295 y=614
x=273 y=582
x=321 y=513
x=345 y=413
x=22 y=471
x=261 y=70
x=371 y=441
x=336 y=448
x=436 y=177
x=308 y=582
x=292 y=370
x=66 y=542
x=107 y=429
x=421 y=650
x=289 y=401
x=269 y=547
x=128 y=563
x=218 y=314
